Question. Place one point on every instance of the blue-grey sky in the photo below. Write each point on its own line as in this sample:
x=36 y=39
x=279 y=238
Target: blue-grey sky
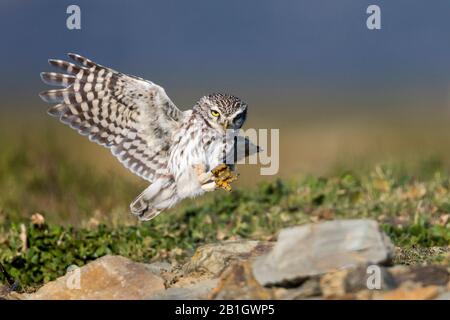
x=256 y=48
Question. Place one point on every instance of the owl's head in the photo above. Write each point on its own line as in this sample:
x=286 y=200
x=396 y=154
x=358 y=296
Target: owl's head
x=222 y=111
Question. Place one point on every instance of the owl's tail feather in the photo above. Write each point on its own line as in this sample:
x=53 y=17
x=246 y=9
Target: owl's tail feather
x=159 y=196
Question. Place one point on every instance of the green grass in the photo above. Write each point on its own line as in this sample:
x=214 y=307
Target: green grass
x=412 y=211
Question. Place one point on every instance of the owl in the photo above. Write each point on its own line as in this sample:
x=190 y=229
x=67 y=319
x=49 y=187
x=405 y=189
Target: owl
x=183 y=154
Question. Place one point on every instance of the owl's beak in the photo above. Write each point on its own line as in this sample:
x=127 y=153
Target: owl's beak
x=225 y=125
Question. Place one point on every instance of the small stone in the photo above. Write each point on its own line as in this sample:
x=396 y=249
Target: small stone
x=37 y=219
x=109 y=277
x=315 y=249
x=93 y=223
x=214 y=258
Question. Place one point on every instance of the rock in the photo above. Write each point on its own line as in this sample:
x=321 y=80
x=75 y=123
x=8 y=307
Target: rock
x=237 y=282
x=194 y=279
x=214 y=258
x=109 y=277
x=196 y=291
x=315 y=249
x=425 y=293
x=423 y=275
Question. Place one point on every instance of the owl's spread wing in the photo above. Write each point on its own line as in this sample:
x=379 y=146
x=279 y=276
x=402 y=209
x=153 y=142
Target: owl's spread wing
x=133 y=117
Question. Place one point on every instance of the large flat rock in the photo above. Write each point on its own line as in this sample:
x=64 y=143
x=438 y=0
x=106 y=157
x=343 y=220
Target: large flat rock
x=109 y=277
x=315 y=249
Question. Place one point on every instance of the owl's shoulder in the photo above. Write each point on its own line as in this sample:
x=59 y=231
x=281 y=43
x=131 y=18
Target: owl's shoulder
x=187 y=114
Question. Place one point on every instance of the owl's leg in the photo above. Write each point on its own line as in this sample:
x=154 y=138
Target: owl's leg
x=219 y=177
x=159 y=196
x=223 y=176
x=205 y=178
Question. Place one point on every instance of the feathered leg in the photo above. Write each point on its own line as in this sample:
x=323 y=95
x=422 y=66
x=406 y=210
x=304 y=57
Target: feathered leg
x=159 y=196
x=205 y=178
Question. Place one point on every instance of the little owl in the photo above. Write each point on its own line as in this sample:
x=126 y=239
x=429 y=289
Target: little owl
x=181 y=153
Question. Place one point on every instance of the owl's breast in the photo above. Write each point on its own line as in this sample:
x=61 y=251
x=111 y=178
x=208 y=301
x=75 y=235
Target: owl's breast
x=215 y=151
x=193 y=145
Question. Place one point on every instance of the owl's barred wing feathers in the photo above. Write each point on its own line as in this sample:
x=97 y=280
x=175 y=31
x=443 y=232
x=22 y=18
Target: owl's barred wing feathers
x=133 y=117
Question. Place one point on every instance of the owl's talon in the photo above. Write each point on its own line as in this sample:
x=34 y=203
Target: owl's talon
x=220 y=168
x=223 y=176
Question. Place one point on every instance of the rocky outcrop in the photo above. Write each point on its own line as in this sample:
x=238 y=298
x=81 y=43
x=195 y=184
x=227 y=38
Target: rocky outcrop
x=347 y=259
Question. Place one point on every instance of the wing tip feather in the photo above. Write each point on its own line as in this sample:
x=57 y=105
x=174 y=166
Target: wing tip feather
x=44 y=95
x=56 y=110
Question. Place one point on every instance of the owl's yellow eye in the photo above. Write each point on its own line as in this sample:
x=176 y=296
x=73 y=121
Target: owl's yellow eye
x=215 y=113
